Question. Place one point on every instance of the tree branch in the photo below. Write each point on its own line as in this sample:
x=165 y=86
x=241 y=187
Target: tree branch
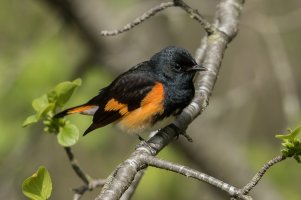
x=131 y=190
x=186 y=171
x=194 y=14
x=139 y=20
x=246 y=189
x=75 y=166
x=80 y=191
x=90 y=183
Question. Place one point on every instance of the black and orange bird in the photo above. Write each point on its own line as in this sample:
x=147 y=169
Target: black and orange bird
x=147 y=97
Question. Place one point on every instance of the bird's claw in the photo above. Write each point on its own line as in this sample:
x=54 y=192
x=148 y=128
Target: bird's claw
x=182 y=132
x=144 y=143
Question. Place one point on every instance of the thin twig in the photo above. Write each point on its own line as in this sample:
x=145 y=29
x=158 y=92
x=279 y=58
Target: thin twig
x=246 y=189
x=194 y=14
x=138 y=20
x=84 y=188
x=90 y=183
x=77 y=169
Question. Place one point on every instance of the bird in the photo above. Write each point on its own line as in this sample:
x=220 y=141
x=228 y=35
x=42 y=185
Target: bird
x=147 y=97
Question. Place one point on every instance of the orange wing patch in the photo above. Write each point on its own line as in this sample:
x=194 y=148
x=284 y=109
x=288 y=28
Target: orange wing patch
x=140 y=119
x=114 y=105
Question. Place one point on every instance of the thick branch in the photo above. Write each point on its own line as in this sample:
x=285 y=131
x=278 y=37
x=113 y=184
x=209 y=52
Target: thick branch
x=130 y=191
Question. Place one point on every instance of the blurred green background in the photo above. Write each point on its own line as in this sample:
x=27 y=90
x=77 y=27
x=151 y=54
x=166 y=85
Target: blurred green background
x=257 y=95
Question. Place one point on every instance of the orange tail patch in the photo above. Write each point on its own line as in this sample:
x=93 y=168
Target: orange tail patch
x=81 y=109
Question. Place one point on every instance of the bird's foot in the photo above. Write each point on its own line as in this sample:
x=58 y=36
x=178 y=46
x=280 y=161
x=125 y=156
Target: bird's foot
x=144 y=143
x=181 y=132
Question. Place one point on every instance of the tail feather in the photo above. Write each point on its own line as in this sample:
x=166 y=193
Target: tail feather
x=61 y=114
x=91 y=128
x=83 y=109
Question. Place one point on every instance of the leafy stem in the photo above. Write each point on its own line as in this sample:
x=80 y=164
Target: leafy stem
x=45 y=107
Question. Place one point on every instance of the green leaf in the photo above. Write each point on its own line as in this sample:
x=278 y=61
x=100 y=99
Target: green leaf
x=48 y=108
x=295 y=132
x=64 y=91
x=292 y=134
x=40 y=103
x=52 y=96
x=282 y=137
x=68 y=135
x=30 y=120
x=77 y=82
x=291 y=144
x=38 y=186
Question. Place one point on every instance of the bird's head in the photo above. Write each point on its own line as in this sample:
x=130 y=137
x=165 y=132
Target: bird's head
x=174 y=62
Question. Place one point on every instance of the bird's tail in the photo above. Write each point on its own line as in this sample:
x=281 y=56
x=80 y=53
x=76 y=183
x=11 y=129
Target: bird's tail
x=85 y=109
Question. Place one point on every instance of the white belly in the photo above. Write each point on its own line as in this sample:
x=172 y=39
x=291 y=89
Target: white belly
x=146 y=127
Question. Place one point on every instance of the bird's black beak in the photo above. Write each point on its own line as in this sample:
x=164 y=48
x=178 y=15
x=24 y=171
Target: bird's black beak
x=197 y=68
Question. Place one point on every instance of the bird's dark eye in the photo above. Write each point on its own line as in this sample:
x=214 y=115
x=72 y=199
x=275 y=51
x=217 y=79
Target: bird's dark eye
x=178 y=68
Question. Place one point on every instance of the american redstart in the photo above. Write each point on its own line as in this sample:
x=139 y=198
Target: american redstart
x=146 y=97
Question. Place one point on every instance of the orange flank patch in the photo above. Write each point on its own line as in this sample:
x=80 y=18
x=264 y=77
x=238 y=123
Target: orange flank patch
x=114 y=105
x=80 y=109
x=140 y=119
x=155 y=96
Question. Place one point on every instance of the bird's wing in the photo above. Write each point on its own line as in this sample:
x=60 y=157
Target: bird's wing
x=130 y=91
